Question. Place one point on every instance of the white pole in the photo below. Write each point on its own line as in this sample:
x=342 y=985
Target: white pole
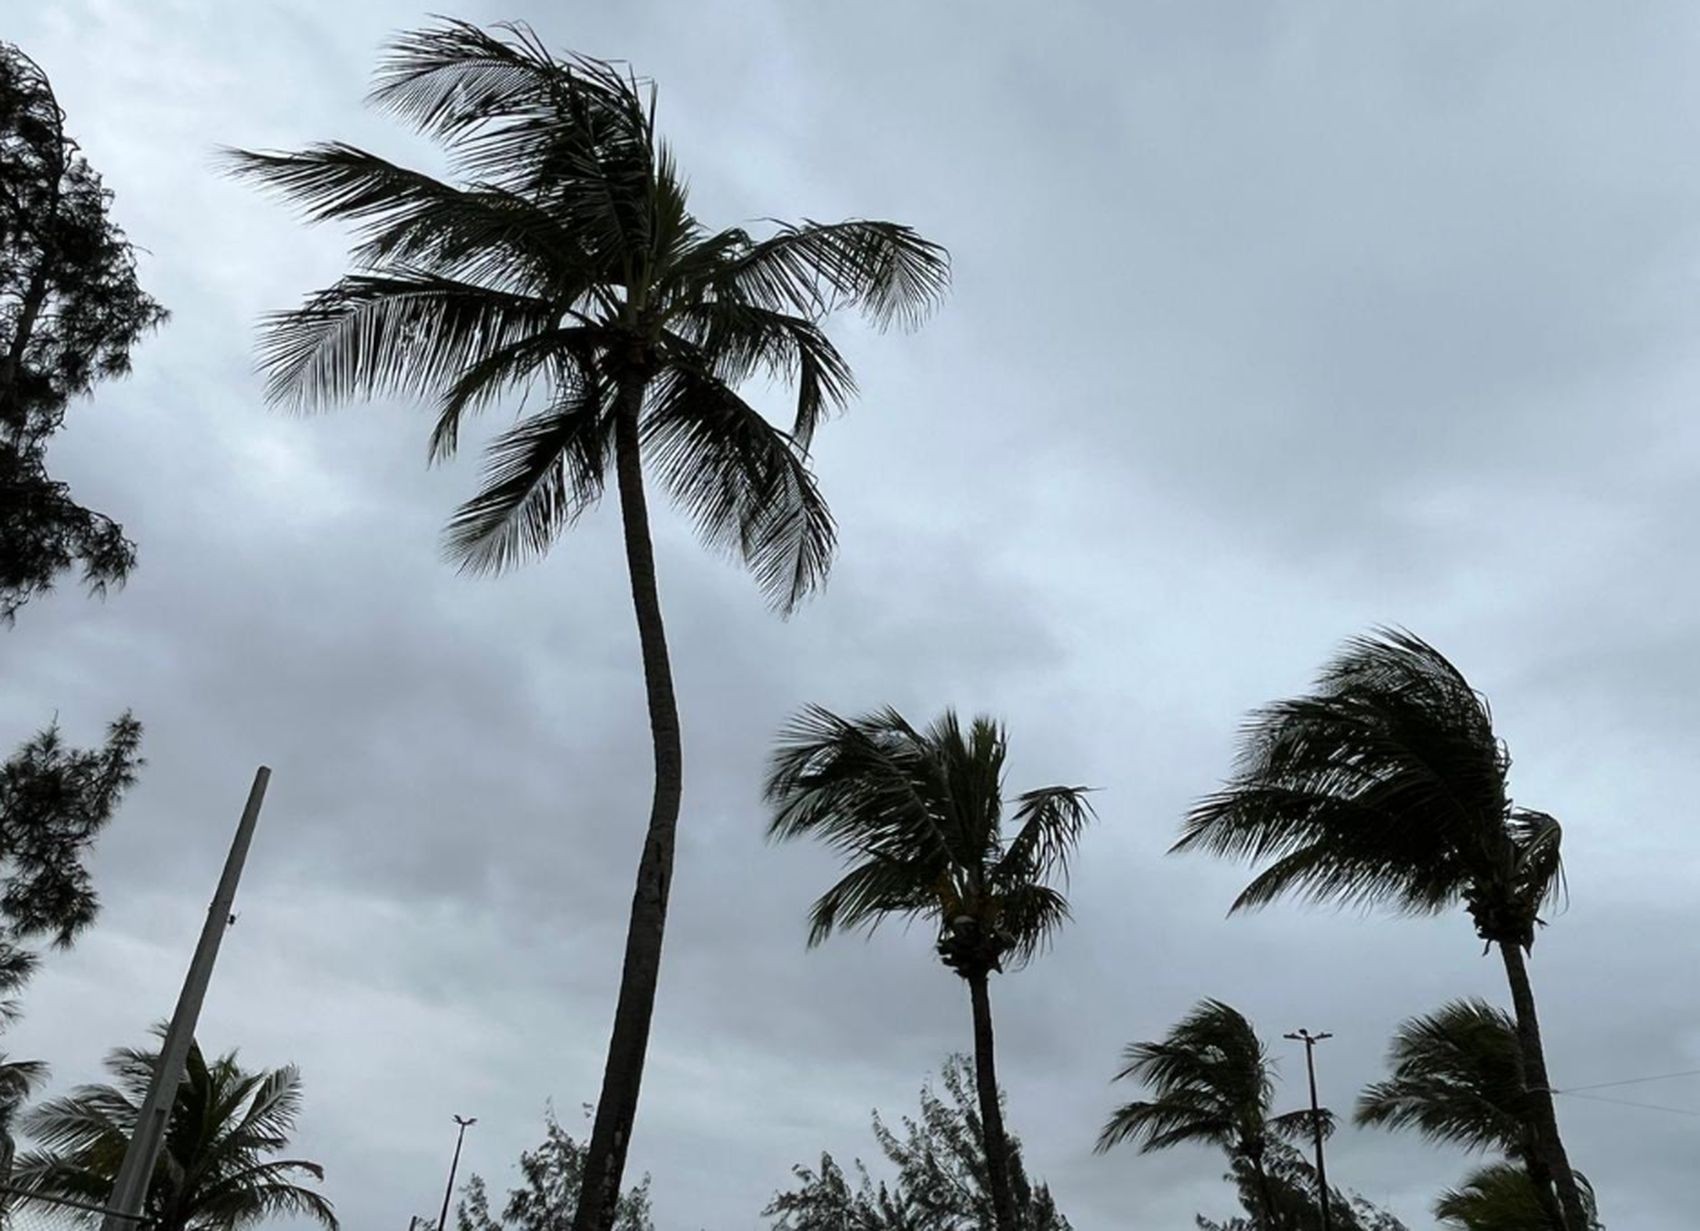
x=130 y=1190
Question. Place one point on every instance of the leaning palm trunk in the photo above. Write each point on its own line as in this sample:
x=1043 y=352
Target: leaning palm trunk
x=616 y=1109
x=991 y=1114
x=1548 y=1153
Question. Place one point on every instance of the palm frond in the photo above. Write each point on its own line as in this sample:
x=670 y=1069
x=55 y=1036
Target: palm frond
x=887 y=271
x=482 y=233
x=1457 y=1078
x=539 y=477
x=744 y=340
x=1051 y=821
x=745 y=483
x=405 y=331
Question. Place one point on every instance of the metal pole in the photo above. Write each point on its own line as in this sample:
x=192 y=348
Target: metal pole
x=1310 y=1041
x=443 y=1218
x=130 y=1189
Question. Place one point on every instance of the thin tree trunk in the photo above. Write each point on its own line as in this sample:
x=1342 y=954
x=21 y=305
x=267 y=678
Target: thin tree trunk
x=1548 y=1147
x=616 y=1109
x=991 y=1114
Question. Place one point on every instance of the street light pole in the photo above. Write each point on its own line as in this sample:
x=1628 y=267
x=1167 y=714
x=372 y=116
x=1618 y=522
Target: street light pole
x=135 y=1172
x=1310 y=1041
x=443 y=1218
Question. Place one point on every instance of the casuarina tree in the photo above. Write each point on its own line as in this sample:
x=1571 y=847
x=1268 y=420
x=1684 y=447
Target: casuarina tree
x=1387 y=786
x=918 y=814
x=71 y=309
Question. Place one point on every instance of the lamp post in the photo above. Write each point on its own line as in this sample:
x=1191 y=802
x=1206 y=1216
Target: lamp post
x=1310 y=1041
x=443 y=1218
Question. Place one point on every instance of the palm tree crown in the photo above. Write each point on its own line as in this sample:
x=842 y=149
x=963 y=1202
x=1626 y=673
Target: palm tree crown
x=568 y=260
x=218 y=1170
x=1385 y=786
x=1213 y=1082
x=918 y=814
x=1457 y=1079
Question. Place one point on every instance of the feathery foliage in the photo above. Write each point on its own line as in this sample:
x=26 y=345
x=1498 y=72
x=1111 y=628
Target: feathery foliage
x=1385 y=786
x=219 y=1169
x=918 y=816
x=1457 y=1079
x=564 y=259
x=1212 y=1081
x=1501 y=1197
x=552 y=1176
x=71 y=310
x=941 y=1181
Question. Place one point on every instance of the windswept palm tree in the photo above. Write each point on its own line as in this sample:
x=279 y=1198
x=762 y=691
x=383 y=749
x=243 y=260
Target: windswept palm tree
x=1502 y=1197
x=918 y=816
x=219 y=1169
x=1212 y=1081
x=1387 y=786
x=565 y=262
x=1457 y=1079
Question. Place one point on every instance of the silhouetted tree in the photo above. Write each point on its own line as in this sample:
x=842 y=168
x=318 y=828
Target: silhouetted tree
x=919 y=817
x=1502 y=1197
x=1387 y=786
x=941 y=1181
x=1288 y=1189
x=1458 y=1079
x=70 y=311
x=218 y=1170
x=553 y=1176
x=567 y=259
x=54 y=803
x=1212 y=1082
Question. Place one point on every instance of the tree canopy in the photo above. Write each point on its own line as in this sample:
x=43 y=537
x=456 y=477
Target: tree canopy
x=71 y=309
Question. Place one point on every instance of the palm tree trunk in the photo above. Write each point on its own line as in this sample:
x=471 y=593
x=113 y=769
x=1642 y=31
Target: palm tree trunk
x=1548 y=1147
x=1264 y=1219
x=991 y=1114
x=616 y=1109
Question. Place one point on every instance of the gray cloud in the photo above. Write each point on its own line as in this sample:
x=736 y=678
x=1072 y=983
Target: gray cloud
x=1267 y=327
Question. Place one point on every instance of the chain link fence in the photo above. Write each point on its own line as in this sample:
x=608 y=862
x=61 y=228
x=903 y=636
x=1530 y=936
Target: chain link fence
x=21 y=1210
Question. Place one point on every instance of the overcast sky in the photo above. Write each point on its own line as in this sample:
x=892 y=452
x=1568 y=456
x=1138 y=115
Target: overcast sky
x=1271 y=322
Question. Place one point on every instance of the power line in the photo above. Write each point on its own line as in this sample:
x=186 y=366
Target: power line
x=1600 y=1098
x=1632 y=1081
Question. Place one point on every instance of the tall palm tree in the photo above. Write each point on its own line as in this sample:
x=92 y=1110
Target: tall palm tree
x=1212 y=1081
x=219 y=1169
x=918 y=816
x=566 y=262
x=1387 y=786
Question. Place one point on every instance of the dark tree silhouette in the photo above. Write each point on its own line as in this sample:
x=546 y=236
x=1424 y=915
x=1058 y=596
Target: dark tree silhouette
x=70 y=312
x=54 y=803
x=1458 y=1079
x=919 y=817
x=219 y=1170
x=941 y=1181
x=1387 y=786
x=567 y=261
x=546 y=1200
x=1212 y=1082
